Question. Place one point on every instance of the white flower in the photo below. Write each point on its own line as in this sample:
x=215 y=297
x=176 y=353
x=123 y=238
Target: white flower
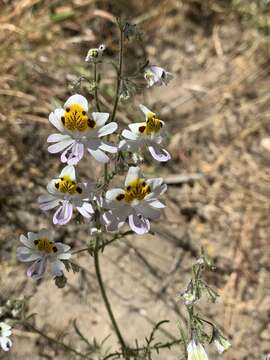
x=149 y=133
x=156 y=75
x=138 y=202
x=220 y=342
x=40 y=249
x=95 y=53
x=5 y=332
x=189 y=297
x=65 y=193
x=79 y=130
x=196 y=351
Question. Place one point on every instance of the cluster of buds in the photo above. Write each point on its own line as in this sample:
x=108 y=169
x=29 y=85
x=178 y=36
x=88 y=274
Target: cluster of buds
x=95 y=54
x=192 y=295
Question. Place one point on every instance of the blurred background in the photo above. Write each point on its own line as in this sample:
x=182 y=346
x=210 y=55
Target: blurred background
x=218 y=115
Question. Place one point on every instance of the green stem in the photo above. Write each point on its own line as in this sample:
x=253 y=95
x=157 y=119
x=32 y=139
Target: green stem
x=105 y=176
x=137 y=350
x=96 y=87
x=105 y=298
x=119 y=75
x=59 y=343
x=117 y=93
x=102 y=246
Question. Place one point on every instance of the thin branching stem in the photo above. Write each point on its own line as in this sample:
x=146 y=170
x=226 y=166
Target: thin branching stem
x=104 y=244
x=157 y=347
x=117 y=91
x=105 y=298
x=119 y=77
x=96 y=87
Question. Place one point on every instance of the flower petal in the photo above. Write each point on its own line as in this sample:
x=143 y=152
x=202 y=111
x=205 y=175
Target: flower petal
x=45 y=233
x=5 y=343
x=5 y=329
x=99 y=155
x=32 y=236
x=107 y=129
x=129 y=134
x=25 y=254
x=86 y=210
x=63 y=214
x=100 y=118
x=69 y=171
x=147 y=211
x=27 y=242
x=111 y=222
x=60 y=146
x=57 y=267
x=157 y=71
x=156 y=204
x=55 y=119
x=37 y=269
x=133 y=174
x=62 y=248
x=158 y=153
x=57 y=137
x=64 y=256
x=108 y=147
x=139 y=224
x=48 y=202
x=154 y=183
x=73 y=154
x=129 y=145
x=145 y=110
x=156 y=191
x=135 y=127
x=196 y=351
x=77 y=99
x=113 y=193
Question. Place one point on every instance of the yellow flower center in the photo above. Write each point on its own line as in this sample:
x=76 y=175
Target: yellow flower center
x=46 y=245
x=66 y=185
x=136 y=190
x=93 y=53
x=152 y=125
x=76 y=118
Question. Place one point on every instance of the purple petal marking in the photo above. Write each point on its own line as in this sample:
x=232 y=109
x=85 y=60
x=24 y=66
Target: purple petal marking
x=63 y=214
x=37 y=269
x=159 y=154
x=139 y=224
x=73 y=154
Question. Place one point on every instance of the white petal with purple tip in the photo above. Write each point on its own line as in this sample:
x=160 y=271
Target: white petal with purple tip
x=159 y=154
x=63 y=214
x=139 y=224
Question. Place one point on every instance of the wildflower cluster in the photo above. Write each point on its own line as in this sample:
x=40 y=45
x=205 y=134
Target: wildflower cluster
x=196 y=335
x=82 y=128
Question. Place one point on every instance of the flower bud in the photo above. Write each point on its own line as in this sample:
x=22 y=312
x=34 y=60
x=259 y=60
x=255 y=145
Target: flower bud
x=189 y=298
x=95 y=54
x=220 y=342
